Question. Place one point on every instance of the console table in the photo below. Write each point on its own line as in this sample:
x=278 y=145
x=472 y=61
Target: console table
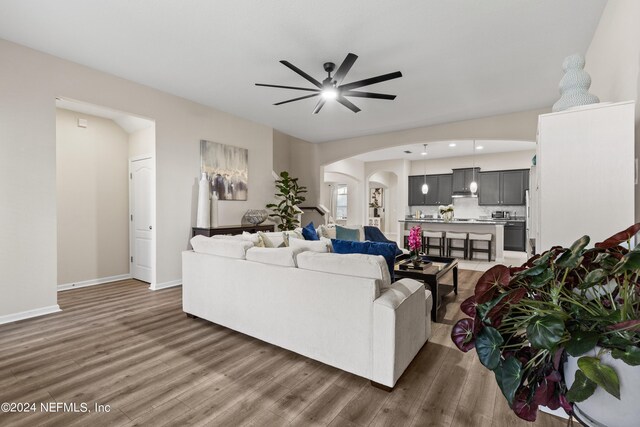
x=232 y=229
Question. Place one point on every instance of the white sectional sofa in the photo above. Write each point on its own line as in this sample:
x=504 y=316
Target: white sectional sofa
x=341 y=310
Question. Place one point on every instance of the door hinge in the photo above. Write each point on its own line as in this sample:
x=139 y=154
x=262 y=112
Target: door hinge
x=130 y=175
x=131 y=259
x=131 y=217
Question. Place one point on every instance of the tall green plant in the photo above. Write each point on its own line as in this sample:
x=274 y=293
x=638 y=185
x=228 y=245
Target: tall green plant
x=523 y=321
x=289 y=192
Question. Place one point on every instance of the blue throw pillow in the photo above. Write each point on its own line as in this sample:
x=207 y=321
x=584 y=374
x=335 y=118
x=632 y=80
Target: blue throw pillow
x=387 y=250
x=344 y=233
x=309 y=232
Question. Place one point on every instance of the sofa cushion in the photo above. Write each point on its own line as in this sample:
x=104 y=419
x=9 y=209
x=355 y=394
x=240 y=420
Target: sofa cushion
x=272 y=239
x=309 y=232
x=358 y=265
x=285 y=257
x=225 y=247
x=387 y=250
x=253 y=238
x=309 y=245
x=344 y=233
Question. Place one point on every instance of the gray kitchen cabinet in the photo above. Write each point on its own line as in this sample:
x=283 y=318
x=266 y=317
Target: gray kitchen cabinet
x=445 y=187
x=513 y=187
x=416 y=198
x=462 y=178
x=514 y=236
x=489 y=188
x=431 y=198
x=498 y=188
x=439 y=190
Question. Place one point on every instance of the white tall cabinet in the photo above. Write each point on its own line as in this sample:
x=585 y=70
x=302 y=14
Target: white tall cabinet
x=585 y=174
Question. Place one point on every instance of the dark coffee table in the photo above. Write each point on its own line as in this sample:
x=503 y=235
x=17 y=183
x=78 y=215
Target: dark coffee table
x=432 y=274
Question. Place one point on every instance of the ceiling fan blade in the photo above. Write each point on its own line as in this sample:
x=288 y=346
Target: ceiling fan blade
x=344 y=68
x=319 y=105
x=302 y=73
x=368 y=95
x=350 y=105
x=288 y=87
x=370 y=81
x=298 y=99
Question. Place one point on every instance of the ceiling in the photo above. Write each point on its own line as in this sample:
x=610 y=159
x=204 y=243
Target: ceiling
x=442 y=149
x=460 y=59
x=126 y=121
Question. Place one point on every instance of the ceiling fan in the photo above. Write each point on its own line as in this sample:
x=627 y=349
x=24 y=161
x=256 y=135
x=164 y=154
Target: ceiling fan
x=332 y=87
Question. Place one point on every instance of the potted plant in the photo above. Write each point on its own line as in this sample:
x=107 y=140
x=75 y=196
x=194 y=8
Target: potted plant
x=415 y=244
x=560 y=330
x=286 y=211
x=446 y=212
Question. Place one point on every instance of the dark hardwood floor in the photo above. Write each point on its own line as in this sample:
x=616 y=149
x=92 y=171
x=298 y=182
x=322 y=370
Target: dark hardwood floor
x=135 y=350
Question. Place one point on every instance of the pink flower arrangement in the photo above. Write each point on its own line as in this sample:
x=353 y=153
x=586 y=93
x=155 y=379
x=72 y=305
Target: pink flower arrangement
x=415 y=240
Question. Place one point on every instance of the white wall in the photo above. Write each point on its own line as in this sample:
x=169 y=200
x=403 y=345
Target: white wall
x=92 y=198
x=486 y=162
x=613 y=61
x=29 y=84
x=142 y=142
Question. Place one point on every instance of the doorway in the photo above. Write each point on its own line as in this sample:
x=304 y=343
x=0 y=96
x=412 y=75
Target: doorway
x=99 y=152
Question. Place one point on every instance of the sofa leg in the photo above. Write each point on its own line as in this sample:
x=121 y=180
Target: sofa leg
x=191 y=316
x=382 y=386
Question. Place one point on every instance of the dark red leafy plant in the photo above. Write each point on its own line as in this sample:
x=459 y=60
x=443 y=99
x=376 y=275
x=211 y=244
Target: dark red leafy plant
x=524 y=321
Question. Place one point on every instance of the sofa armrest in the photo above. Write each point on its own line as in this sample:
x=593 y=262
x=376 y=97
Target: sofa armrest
x=400 y=323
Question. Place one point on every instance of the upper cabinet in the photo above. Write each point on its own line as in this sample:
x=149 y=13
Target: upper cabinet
x=503 y=187
x=462 y=179
x=439 y=190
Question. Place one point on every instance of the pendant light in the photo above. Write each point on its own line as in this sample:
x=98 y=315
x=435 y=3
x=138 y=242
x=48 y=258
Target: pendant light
x=473 y=187
x=425 y=187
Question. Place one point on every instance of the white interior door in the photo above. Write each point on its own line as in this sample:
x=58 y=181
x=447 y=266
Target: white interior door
x=141 y=206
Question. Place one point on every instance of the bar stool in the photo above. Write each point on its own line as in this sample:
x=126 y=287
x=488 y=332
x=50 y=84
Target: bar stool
x=451 y=236
x=482 y=238
x=406 y=239
x=428 y=236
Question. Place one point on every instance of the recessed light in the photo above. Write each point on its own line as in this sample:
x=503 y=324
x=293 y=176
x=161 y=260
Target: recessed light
x=479 y=147
x=424 y=153
x=453 y=144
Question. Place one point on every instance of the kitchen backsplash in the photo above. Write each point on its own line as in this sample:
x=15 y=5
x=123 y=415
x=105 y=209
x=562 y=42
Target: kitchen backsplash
x=467 y=207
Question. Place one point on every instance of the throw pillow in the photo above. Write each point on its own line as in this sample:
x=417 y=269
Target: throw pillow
x=387 y=250
x=309 y=232
x=291 y=234
x=253 y=238
x=344 y=233
x=309 y=245
x=328 y=231
x=271 y=240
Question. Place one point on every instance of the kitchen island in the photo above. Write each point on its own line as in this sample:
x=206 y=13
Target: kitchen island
x=478 y=226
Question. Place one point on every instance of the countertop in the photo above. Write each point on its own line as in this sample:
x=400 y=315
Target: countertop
x=493 y=221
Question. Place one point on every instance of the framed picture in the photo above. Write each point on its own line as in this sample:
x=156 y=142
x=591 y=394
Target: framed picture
x=376 y=198
x=227 y=168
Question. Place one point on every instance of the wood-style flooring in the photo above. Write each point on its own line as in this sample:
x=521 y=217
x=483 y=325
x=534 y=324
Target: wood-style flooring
x=135 y=350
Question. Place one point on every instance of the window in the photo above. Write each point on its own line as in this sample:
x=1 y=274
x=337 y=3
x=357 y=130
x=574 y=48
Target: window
x=341 y=202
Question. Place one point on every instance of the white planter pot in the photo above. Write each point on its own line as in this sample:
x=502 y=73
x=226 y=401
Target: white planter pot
x=602 y=409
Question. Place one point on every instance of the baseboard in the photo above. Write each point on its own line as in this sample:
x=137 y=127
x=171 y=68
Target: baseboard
x=29 y=313
x=93 y=282
x=170 y=284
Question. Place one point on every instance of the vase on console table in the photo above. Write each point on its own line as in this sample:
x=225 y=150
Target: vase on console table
x=203 y=217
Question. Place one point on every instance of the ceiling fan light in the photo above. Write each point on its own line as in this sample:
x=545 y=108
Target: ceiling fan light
x=425 y=188
x=473 y=187
x=329 y=93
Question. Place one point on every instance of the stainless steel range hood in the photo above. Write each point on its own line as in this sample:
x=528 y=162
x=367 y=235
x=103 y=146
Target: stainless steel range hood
x=461 y=194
